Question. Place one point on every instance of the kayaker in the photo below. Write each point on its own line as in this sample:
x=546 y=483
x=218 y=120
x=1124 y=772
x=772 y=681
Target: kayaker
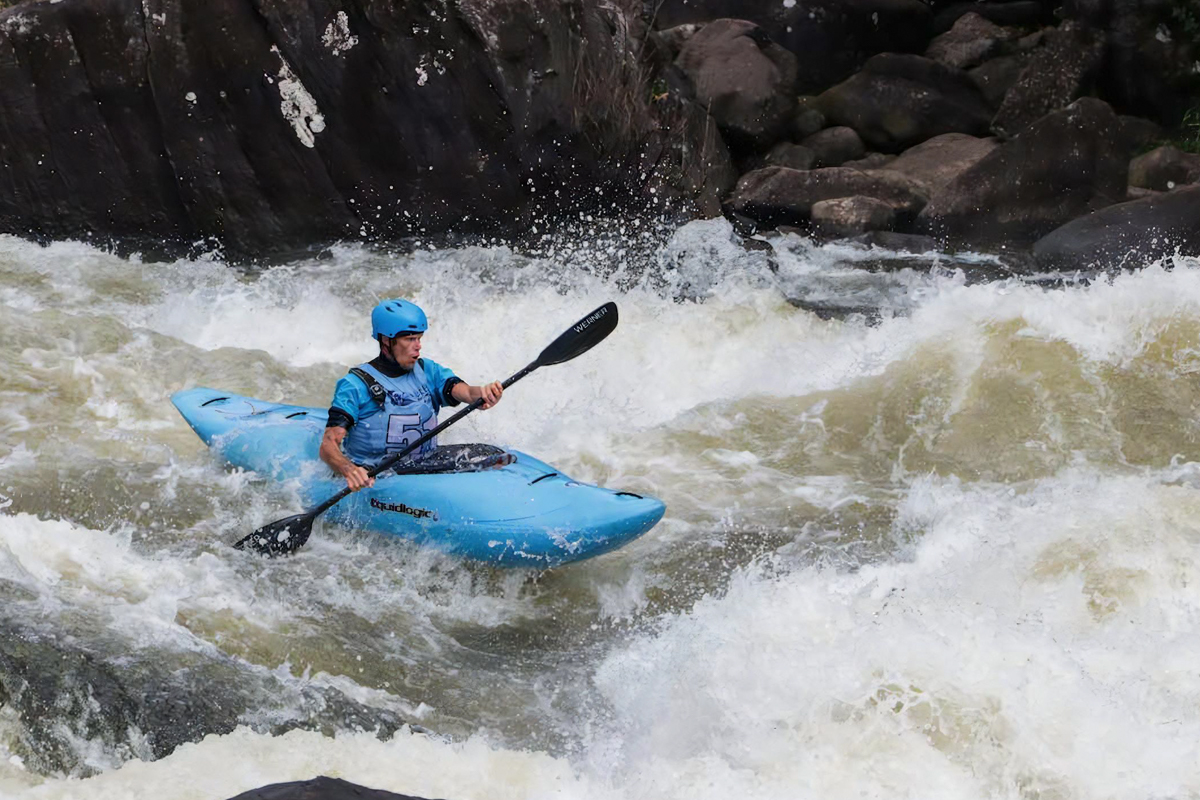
x=389 y=402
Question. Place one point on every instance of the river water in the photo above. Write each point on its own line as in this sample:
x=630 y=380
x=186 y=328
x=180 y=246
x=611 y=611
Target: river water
x=946 y=549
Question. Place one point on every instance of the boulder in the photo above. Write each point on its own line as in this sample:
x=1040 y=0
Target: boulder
x=1126 y=235
x=1164 y=168
x=936 y=162
x=788 y=154
x=265 y=127
x=780 y=196
x=1057 y=73
x=897 y=101
x=969 y=43
x=1067 y=164
x=746 y=81
x=850 y=216
x=996 y=76
x=832 y=147
x=808 y=119
x=830 y=38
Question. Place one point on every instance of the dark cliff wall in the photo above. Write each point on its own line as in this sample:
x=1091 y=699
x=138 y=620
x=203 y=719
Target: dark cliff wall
x=266 y=124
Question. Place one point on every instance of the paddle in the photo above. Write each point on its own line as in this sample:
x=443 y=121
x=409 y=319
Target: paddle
x=285 y=536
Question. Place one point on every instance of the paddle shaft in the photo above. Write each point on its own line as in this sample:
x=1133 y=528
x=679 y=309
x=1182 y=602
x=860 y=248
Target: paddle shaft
x=391 y=460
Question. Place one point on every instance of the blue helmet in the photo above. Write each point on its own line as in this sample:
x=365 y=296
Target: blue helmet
x=393 y=318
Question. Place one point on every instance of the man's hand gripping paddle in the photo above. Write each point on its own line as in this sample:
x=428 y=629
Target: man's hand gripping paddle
x=286 y=536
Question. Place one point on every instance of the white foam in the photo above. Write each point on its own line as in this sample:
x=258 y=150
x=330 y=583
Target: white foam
x=1029 y=640
x=1034 y=639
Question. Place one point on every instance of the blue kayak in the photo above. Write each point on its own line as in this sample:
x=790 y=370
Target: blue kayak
x=521 y=513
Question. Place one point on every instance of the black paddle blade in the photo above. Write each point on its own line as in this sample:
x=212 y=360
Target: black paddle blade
x=581 y=337
x=281 y=537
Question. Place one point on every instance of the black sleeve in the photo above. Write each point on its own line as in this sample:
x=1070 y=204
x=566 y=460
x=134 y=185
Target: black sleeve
x=447 y=398
x=339 y=419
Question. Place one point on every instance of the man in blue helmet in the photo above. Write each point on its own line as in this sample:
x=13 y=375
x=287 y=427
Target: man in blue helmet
x=389 y=402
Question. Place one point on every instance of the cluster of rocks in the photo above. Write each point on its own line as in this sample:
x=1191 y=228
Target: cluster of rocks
x=1001 y=128
x=266 y=128
x=995 y=132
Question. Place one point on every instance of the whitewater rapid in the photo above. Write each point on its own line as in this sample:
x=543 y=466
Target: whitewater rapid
x=946 y=549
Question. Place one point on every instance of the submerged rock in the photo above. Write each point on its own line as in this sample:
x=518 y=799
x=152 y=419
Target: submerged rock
x=320 y=788
x=1126 y=235
x=143 y=704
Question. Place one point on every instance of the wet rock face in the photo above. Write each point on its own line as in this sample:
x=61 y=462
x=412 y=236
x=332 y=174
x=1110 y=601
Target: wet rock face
x=73 y=701
x=64 y=695
x=264 y=125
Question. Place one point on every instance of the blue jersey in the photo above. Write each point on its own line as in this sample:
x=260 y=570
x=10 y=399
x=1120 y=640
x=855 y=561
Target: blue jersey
x=411 y=402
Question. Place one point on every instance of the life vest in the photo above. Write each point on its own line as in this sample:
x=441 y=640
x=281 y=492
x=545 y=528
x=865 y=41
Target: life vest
x=402 y=410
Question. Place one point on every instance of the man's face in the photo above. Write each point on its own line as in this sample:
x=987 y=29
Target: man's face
x=405 y=350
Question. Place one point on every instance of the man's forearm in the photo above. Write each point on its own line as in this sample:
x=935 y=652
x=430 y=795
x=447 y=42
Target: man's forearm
x=465 y=393
x=331 y=451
